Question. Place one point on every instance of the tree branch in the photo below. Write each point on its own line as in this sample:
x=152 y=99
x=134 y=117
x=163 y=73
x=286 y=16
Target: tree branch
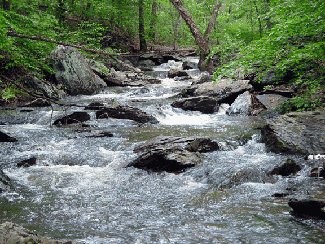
x=213 y=19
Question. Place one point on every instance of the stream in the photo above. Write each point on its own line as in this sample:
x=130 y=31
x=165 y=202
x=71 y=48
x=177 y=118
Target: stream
x=81 y=190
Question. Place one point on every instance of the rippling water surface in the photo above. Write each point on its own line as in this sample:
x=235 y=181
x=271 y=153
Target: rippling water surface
x=81 y=190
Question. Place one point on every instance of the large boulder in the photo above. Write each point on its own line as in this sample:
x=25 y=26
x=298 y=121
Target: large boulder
x=296 y=132
x=5 y=138
x=206 y=105
x=128 y=78
x=74 y=118
x=224 y=91
x=308 y=208
x=5 y=183
x=13 y=233
x=73 y=71
x=172 y=154
x=271 y=101
x=44 y=88
x=246 y=104
x=125 y=112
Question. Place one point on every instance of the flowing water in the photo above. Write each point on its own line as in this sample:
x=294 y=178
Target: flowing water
x=81 y=189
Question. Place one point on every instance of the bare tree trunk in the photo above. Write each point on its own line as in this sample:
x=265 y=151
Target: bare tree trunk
x=154 y=10
x=205 y=63
x=200 y=41
x=142 y=36
x=6 y=4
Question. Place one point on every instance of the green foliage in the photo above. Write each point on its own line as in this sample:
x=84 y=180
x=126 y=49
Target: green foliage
x=294 y=50
x=9 y=93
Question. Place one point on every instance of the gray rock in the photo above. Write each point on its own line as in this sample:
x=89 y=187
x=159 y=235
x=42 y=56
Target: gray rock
x=189 y=65
x=73 y=71
x=172 y=154
x=271 y=101
x=13 y=233
x=246 y=104
x=5 y=138
x=74 y=118
x=5 y=183
x=99 y=68
x=296 y=132
x=177 y=73
x=224 y=91
x=203 y=78
x=126 y=112
x=128 y=78
x=45 y=88
x=207 y=105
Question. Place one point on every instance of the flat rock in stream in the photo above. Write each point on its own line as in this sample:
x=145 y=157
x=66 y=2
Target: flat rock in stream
x=73 y=71
x=5 y=183
x=224 y=91
x=126 y=112
x=128 y=78
x=95 y=106
x=177 y=73
x=296 y=132
x=74 y=118
x=13 y=233
x=206 y=105
x=172 y=154
x=5 y=138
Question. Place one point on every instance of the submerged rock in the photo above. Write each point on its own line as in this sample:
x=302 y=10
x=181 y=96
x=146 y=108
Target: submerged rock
x=126 y=112
x=308 y=208
x=5 y=138
x=27 y=163
x=74 y=118
x=290 y=167
x=172 y=154
x=73 y=71
x=207 y=105
x=297 y=132
x=5 y=183
x=318 y=172
x=13 y=233
x=177 y=73
x=246 y=104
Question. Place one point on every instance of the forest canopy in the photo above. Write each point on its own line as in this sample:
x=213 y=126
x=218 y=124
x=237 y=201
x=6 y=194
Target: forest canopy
x=270 y=42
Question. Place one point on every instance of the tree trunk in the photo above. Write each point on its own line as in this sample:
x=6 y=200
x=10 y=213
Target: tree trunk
x=205 y=63
x=142 y=36
x=153 y=22
x=6 y=4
